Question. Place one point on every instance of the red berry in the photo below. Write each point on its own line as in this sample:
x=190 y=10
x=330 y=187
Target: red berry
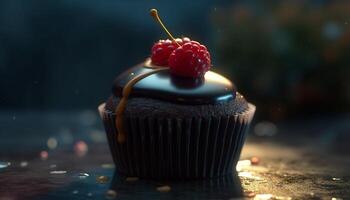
x=190 y=60
x=163 y=48
x=161 y=51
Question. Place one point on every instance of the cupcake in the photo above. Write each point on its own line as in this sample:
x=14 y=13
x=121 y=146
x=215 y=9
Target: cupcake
x=170 y=117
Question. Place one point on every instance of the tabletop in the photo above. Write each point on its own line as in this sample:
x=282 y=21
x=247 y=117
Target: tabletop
x=65 y=155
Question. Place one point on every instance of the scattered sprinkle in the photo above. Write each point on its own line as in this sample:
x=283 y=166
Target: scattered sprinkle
x=111 y=194
x=81 y=148
x=75 y=192
x=336 y=179
x=52 y=143
x=254 y=160
x=102 y=179
x=58 y=172
x=164 y=188
x=89 y=194
x=107 y=166
x=24 y=164
x=44 y=155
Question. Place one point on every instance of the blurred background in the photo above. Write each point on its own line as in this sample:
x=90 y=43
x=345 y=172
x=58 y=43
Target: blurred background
x=58 y=60
x=290 y=58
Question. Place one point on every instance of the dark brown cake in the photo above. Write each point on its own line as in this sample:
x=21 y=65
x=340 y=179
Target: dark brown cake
x=148 y=107
x=177 y=128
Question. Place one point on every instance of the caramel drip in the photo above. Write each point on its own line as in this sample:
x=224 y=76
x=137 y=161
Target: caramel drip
x=123 y=101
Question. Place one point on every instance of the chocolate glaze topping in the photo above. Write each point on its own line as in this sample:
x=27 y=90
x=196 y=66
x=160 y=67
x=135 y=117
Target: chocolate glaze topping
x=213 y=89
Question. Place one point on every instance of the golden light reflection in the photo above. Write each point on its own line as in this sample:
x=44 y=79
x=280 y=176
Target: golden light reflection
x=251 y=175
x=210 y=75
x=52 y=143
x=148 y=63
x=263 y=196
x=108 y=166
x=217 y=78
x=248 y=175
x=111 y=194
x=242 y=164
x=165 y=188
x=131 y=179
x=102 y=179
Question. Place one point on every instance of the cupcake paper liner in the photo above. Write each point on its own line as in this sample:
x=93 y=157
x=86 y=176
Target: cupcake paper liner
x=174 y=148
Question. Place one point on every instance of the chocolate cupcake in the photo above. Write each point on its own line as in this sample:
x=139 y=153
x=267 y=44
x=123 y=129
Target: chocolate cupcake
x=171 y=118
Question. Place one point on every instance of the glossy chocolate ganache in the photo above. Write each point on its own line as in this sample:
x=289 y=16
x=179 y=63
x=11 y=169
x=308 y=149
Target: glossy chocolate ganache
x=152 y=90
x=212 y=89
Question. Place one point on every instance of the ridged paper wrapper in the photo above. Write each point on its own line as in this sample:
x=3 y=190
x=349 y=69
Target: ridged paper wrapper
x=177 y=148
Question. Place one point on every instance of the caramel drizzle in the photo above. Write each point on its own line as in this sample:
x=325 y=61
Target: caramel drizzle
x=128 y=87
x=125 y=95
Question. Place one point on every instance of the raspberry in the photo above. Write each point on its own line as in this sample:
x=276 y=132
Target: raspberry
x=190 y=60
x=161 y=51
x=163 y=48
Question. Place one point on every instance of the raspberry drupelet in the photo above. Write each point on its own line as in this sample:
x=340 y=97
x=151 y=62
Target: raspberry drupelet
x=184 y=57
x=161 y=52
x=190 y=60
x=163 y=48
